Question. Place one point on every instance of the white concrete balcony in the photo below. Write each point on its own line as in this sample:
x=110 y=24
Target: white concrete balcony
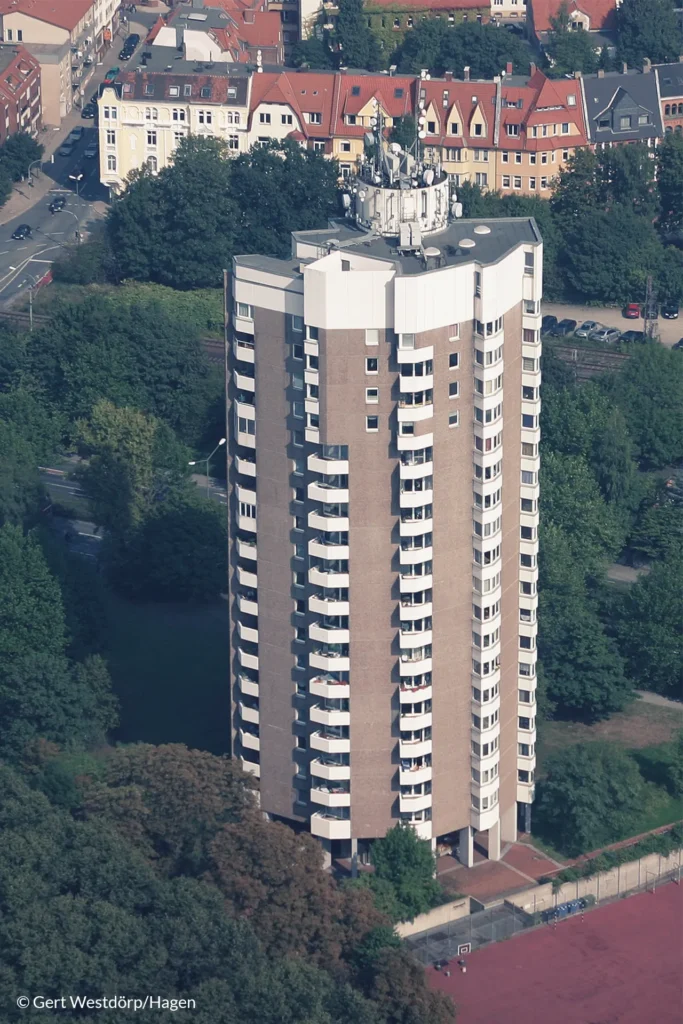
x=328 y=467
x=251 y=767
x=414 y=776
x=330 y=744
x=415 y=611
x=328 y=524
x=414 y=499
x=415 y=527
x=423 y=829
x=329 y=551
x=326 y=716
x=531 y=435
x=323 y=769
x=332 y=580
x=416 y=383
x=312 y=435
x=247 y=633
x=416 y=471
x=244 y=409
x=247 y=605
x=325 y=826
x=311 y=377
x=485 y=789
x=327 y=607
x=412 y=694
x=317 y=491
x=311 y=348
x=243 y=352
x=415 y=355
x=249 y=741
x=328 y=635
x=246 y=549
x=413 y=442
x=246 y=524
x=485 y=764
x=415 y=556
x=247 y=579
x=247 y=686
x=484 y=820
x=415 y=413
x=246 y=467
x=312 y=406
x=422 y=721
x=248 y=714
x=412 y=640
x=247 y=660
x=414 y=668
x=243 y=324
x=246 y=495
x=329 y=662
x=245 y=440
x=324 y=686
x=410 y=804
x=414 y=584
x=414 y=748
x=329 y=797
x=243 y=382
x=526 y=792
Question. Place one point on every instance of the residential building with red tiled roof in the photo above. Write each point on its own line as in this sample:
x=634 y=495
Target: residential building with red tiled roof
x=20 y=95
x=360 y=98
x=242 y=35
x=390 y=20
x=293 y=104
x=584 y=15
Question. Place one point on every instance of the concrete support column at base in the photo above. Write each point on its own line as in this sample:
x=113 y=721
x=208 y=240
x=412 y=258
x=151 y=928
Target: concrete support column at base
x=494 y=841
x=508 y=824
x=327 y=853
x=527 y=817
x=466 y=847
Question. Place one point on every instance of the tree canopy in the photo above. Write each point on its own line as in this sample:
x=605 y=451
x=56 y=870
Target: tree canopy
x=439 y=46
x=568 y=50
x=650 y=627
x=647 y=28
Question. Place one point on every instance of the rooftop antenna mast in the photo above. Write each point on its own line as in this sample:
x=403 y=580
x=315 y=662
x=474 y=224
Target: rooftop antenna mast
x=377 y=125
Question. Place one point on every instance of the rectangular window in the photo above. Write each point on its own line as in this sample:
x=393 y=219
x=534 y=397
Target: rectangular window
x=151 y=138
x=482 y=180
x=453 y=419
x=264 y=118
x=453 y=361
x=372 y=365
x=233 y=142
x=111 y=137
x=453 y=389
x=528 y=262
x=371 y=395
x=517 y=181
x=565 y=128
x=111 y=162
x=506 y=181
x=286 y=118
x=297 y=324
x=532 y=183
x=178 y=114
x=315 y=118
x=372 y=423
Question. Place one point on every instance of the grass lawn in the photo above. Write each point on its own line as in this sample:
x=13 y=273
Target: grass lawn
x=640 y=725
x=170 y=669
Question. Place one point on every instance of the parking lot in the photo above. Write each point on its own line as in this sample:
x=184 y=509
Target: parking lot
x=669 y=330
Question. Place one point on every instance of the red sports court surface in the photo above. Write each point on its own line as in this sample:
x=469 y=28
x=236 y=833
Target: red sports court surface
x=623 y=964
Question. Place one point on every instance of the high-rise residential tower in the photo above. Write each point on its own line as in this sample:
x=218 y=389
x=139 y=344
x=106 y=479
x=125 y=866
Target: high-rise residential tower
x=383 y=472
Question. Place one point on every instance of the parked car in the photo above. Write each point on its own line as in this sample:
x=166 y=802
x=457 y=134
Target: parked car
x=650 y=312
x=633 y=336
x=632 y=311
x=563 y=328
x=669 y=310
x=89 y=111
x=91 y=150
x=67 y=148
x=606 y=334
x=21 y=232
x=586 y=327
x=547 y=323
x=57 y=204
x=679 y=343
x=76 y=134
x=95 y=96
x=111 y=74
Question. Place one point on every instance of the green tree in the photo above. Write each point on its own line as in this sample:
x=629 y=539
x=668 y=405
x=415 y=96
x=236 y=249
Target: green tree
x=17 y=154
x=648 y=388
x=398 y=986
x=312 y=53
x=179 y=552
x=591 y=794
x=21 y=492
x=650 y=628
x=576 y=189
x=436 y=45
x=568 y=50
x=657 y=532
x=359 y=47
x=647 y=28
x=670 y=180
x=608 y=255
x=611 y=459
x=627 y=178
x=407 y=863
x=675 y=769
x=404 y=131
x=669 y=279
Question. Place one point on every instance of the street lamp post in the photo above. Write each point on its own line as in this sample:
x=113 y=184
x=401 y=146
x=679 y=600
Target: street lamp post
x=78 y=178
x=30 y=166
x=207 y=461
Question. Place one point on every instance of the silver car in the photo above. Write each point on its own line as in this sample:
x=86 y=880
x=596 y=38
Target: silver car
x=586 y=328
x=607 y=334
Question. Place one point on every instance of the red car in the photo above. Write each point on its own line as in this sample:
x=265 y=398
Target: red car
x=632 y=311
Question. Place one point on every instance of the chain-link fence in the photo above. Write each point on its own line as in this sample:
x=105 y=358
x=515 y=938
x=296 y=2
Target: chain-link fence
x=479 y=929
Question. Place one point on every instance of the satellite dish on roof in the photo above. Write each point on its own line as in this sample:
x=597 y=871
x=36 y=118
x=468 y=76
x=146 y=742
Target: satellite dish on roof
x=428 y=176
x=432 y=251
x=482 y=229
x=346 y=200
x=467 y=243
x=422 y=134
x=456 y=210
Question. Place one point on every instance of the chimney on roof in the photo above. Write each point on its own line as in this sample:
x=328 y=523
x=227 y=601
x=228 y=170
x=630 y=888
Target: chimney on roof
x=392 y=70
x=624 y=68
x=647 y=65
x=466 y=73
x=448 y=75
x=249 y=17
x=532 y=68
x=508 y=68
x=680 y=58
x=577 y=74
x=601 y=72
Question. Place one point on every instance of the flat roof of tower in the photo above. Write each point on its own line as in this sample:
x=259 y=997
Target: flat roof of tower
x=503 y=235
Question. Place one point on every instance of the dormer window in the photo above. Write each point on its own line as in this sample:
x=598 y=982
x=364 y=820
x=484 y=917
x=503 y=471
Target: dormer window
x=512 y=130
x=149 y=89
x=187 y=90
x=643 y=118
x=398 y=94
x=174 y=90
x=603 y=122
x=205 y=92
x=625 y=122
x=478 y=129
x=355 y=90
x=431 y=127
x=455 y=128
x=571 y=100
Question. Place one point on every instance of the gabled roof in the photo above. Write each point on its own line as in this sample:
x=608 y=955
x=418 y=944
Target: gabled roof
x=638 y=89
x=308 y=92
x=153 y=86
x=602 y=14
x=62 y=13
x=468 y=96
